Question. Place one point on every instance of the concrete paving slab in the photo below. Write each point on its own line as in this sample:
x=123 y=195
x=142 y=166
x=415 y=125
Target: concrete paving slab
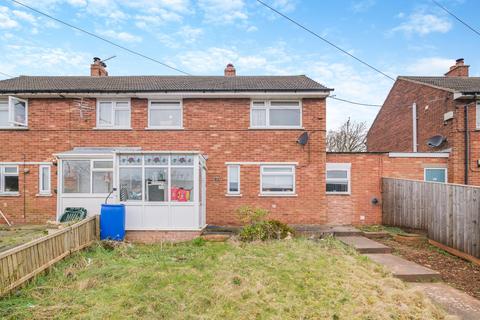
x=365 y=245
x=404 y=269
x=454 y=301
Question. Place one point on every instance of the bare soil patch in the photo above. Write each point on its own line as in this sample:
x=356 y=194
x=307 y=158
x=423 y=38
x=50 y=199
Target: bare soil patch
x=457 y=272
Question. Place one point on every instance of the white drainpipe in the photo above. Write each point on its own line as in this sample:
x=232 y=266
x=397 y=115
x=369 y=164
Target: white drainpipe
x=414 y=126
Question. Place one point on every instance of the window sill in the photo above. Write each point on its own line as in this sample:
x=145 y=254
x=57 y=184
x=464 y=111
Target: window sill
x=164 y=128
x=233 y=195
x=276 y=128
x=113 y=128
x=43 y=195
x=338 y=193
x=15 y=128
x=9 y=194
x=292 y=195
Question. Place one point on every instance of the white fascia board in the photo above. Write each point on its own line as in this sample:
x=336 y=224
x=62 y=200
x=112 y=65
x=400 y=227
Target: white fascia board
x=418 y=154
x=181 y=95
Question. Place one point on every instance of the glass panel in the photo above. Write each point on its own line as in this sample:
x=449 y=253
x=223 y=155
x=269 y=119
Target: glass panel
x=156 y=159
x=182 y=184
x=435 y=175
x=11 y=183
x=165 y=117
x=182 y=160
x=258 y=103
x=105 y=114
x=45 y=179
x=156 y=184
x=277 y=169
x=284 y=103
x=19 y=111
x=4 y=114
x=11 y=170
x=285 y=117
x=102 y=164
x=76 y=176
x=280 y=183
x=131 y=160
x=122 y=118
x=102 y=181
x=337 y=187
x=130 y=184
x=259 y=117
x=233 y=179
x=337 y=174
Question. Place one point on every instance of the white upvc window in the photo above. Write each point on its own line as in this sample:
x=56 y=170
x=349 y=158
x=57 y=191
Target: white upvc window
x=44 y=180
x=276 y=114
x=165 y=114
x=8 y=180
x=338 y=178
x=113 y=114
x=477 y=116
x=13 y=113
x=87 y=176
x=233 y=179
x=277 y=180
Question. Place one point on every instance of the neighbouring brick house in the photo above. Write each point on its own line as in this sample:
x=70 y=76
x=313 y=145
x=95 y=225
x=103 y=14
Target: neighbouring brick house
x=181 y=152
x=419 y=108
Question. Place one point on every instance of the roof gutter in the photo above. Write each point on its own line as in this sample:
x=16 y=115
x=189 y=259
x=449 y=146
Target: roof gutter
x=175 y=95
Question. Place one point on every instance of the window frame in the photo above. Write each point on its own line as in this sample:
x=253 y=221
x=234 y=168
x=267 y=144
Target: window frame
x=435 y=168
x=2 y=180
x=90 y=192
x=268 y=107
x=172 y=106
x=278 y=193
x=41 y=191
x=229 y=167
x=10 y=114
x=114 y=107
x=339 y=167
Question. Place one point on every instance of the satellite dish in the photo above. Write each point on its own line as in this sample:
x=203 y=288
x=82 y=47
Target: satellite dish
x=436 y=141
x=303 y=139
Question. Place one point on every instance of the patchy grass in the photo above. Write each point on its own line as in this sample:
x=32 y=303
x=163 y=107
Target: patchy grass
x=13 y=236
x=289 y=279
x=379 y=228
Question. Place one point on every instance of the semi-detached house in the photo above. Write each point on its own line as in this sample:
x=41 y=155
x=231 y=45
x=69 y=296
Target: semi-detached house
x=180 y=152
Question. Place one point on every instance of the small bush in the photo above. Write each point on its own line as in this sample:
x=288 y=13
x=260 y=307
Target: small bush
x=250 y=215
x=265 y=230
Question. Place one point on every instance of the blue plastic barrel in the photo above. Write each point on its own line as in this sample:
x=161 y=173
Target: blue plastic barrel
x=112 y=222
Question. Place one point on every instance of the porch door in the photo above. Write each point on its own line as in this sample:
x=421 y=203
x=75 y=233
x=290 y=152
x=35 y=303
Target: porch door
x=203 y=195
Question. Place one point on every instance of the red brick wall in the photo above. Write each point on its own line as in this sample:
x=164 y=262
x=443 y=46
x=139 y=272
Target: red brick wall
x=392 y=129
x=367 y=169
x=216 y=127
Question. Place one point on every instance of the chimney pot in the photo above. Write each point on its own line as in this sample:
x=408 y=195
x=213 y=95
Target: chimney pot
x=97 y=68
x=460 y=69
x=230 y=70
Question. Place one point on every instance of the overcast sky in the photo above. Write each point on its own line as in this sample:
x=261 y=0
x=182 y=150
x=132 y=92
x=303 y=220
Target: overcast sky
x=201 y=37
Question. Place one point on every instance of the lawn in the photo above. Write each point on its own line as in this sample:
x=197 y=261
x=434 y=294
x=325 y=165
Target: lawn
x=13 y=236
x=289 y=279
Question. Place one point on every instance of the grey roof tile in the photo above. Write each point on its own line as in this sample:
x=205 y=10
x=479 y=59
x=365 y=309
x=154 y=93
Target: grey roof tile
x=461 y=84
x=113 y=84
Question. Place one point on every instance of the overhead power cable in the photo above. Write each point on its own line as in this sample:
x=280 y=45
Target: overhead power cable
x=354 y=102
x=325 y=40
x=6 y=74
x=99 y=37
x=456 y=17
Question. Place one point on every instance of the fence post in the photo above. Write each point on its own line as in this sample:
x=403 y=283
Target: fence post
x=97 y=227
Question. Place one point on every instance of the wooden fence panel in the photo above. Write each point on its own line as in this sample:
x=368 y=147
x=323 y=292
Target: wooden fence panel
x=450 y=213
x=21 y=263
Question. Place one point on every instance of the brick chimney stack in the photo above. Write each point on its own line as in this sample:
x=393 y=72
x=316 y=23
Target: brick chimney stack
x=460 y=69
x=230 y=70
x=97 y=68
